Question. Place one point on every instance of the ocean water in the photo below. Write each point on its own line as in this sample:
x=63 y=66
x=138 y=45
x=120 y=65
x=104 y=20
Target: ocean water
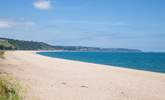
x=142 y=61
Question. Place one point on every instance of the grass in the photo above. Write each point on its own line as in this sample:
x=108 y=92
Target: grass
x=10 y=88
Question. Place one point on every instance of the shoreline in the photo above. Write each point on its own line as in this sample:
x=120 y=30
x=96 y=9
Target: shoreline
x=101 y=65
x=61 y=79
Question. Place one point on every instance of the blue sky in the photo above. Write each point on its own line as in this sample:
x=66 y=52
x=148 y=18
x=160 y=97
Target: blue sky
x=136 y=24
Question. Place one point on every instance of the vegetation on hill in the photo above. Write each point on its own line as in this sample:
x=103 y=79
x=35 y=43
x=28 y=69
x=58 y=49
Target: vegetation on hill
x=11 y=44
x=4 y=44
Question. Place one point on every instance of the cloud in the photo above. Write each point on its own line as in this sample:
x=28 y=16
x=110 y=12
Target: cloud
x=11 y=24
x=43 y=4
x=5 y=24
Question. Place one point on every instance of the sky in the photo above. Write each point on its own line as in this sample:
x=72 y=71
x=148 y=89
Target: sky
x=137 y=24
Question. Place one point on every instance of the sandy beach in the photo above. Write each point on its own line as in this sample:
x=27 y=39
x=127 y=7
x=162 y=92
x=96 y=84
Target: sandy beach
x=58 y=79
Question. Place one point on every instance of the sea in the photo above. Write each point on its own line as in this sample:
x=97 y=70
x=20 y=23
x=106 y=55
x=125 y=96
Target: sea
x=154 y=62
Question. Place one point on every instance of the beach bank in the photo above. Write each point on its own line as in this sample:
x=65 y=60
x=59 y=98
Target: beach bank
x=59 y=79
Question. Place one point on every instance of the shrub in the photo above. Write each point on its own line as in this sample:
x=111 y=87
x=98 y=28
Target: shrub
x=10 y=88
x=2 y=53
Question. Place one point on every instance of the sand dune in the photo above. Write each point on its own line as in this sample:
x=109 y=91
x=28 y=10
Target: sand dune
x=58 y=79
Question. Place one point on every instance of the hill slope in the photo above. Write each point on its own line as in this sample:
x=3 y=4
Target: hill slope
x=24 y=45
x=4 y=44
x=11 y=44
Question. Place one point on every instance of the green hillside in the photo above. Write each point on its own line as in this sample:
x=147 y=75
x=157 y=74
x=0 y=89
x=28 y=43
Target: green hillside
x=11 y=44
x=4 y=44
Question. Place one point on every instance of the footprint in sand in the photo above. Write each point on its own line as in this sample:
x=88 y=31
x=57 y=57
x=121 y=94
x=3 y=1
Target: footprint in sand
x=122 y=93
x=63 y=83
x=83 y=86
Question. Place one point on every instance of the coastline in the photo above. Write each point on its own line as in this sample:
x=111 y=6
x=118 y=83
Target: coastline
x=102 y=64
x=60 y=79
